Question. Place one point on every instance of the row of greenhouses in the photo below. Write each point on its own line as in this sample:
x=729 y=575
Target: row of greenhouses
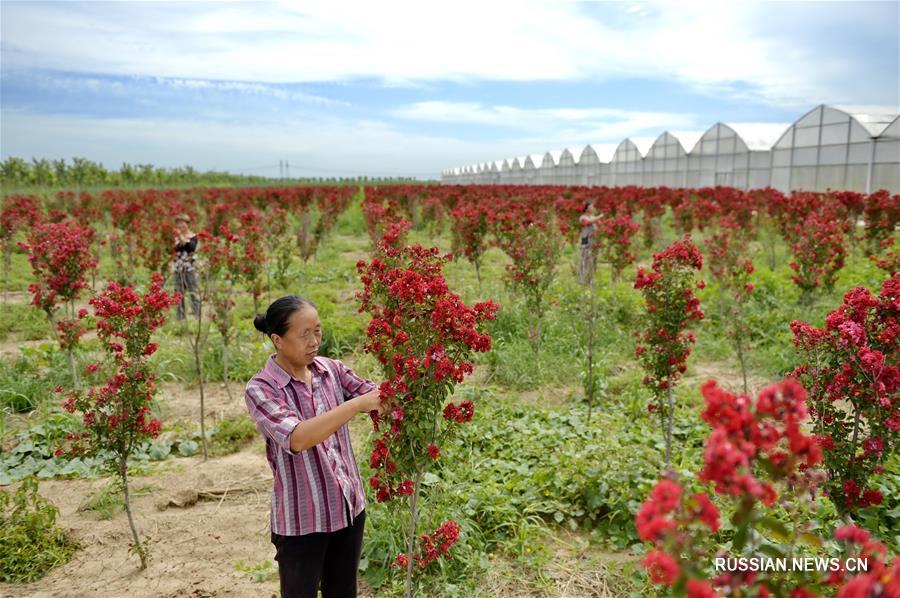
x=827 y=148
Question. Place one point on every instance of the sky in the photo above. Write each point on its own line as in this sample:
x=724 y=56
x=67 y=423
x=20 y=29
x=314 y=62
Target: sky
x=413 y=89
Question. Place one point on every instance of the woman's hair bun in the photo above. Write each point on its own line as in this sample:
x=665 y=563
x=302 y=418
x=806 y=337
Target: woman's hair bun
x=260 y=323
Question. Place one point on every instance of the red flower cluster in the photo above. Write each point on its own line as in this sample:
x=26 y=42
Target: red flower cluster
x=664 y=344
x=853 y=360
x=819 y=252
x=525 y=231
x=668 y=521
x=881 y=212
x=470 y=230
x=882 y=577
x=743 y=436
x=117 y=414
x=614 y=241
x=70 y=330
x=423 y=335
x=17 y=212
x=432 y=546
x=747 y=437
x=384 y=216
x=125 y=314
x=60 y=256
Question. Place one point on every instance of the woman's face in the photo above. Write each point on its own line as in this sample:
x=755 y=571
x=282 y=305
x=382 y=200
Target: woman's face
x=302 y=339
x=181 y=227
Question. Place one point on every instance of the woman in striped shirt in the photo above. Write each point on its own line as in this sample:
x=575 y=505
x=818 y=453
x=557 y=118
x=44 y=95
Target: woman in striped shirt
x=301 y=402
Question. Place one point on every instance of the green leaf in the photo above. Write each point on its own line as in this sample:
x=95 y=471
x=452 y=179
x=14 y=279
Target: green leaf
x=186 y=448
x=772 y=551
x=777 y=528
x=811 y=539
x=740 y=538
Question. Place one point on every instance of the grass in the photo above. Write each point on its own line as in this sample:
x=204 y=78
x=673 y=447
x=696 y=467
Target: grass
x=109 y=500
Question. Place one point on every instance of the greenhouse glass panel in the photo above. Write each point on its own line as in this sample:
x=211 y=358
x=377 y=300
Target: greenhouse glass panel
x=887 y=151
x=759 y=179
x=886 y=176
x=858 y=133
x=786 y=140
x=760 y=159
x=808 y=137
x=805 y=156
x=781 y=157
x=812 y=119
x=804 y=177
x=726 y=146
x=781 y=178
x=856 y=178
x=693 y=179
x=833 y=154
x=709 y=147
x=831 y=177
x=831 y=116
x=860 y=153
x=835 y=134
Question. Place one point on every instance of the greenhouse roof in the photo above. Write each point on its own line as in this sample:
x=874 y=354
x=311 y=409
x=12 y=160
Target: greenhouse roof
x=874 y=119
x=759 y=136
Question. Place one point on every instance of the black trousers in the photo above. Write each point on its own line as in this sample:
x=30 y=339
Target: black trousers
x=327 y=558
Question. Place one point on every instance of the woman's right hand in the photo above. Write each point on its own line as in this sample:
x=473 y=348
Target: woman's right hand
x=370 y=401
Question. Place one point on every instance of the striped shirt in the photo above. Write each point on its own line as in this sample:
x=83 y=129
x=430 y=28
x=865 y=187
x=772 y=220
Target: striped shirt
x=310 y=486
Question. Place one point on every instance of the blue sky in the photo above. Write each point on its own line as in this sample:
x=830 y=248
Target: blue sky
x=415 y=88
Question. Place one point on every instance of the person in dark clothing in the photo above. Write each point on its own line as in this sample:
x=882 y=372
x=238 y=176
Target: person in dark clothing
x=185 y=267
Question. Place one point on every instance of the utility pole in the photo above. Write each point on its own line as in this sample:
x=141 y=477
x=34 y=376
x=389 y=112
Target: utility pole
x=281 y=169
x=287 y=169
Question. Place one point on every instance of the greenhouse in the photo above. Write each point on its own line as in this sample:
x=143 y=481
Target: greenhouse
x=826 y=148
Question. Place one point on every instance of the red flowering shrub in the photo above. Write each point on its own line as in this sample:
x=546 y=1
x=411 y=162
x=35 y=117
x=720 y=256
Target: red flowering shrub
x=153 y=231
x=331 y=202
x=424 y=337
x=432 y=546
x=819 y=248
x=470 y=230
x=246 y=255
x=17 y=213
x=221 y=272
x=383 y=216
x=725 y=251
x=756 y=455
x=668 y=521
x=881 y=212
x=529 y=236
x=850 y=368
x=889 y=258
x=125 y=211
x=664 y=342
x=652 y=208
x=882 y=578
x=614 y=243
x=117 y=416
x=60 y=256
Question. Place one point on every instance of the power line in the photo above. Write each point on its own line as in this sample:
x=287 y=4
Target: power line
x=283 y=167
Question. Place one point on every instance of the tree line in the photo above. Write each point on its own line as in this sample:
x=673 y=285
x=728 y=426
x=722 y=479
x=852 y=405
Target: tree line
x=18 y=173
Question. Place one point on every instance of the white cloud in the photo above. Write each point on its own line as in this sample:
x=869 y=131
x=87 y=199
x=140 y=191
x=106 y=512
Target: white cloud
x=576 y=126
x=715 y=47
x=326 y=147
